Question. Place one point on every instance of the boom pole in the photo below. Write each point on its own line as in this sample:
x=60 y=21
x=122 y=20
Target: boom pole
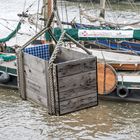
x=47 y=10
x=102 y=6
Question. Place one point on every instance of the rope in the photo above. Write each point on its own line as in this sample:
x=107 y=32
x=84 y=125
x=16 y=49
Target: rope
x=66 y=12
x=37 y=15
x=8 y=20
x=24 y=5
x=62 y=10
x=115 y=16
x=51 y=74
x=80 y=18
x=29 y=7
x=6 y=27
x=133 y=5
x=14 y=32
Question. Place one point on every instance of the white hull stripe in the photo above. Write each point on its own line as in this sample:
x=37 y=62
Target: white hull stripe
x=132 y=79
x=106 y=33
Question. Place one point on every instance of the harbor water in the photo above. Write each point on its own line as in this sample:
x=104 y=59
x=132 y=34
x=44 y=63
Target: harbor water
x=24 y=120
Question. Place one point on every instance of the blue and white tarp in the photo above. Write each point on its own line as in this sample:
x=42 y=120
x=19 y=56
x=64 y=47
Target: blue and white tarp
x=41 y=51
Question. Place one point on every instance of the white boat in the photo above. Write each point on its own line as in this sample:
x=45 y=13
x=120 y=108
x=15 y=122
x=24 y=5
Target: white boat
x=112 y=57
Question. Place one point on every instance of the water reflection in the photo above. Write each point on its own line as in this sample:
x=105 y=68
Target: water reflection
x=24 y=120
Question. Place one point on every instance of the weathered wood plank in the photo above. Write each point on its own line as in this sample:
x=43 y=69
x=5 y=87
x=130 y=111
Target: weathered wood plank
x=36 y=88
x=69 y=54
x=36 y=98
x=85 y=79
x=35 y=82
x=35 y=75
x=76 y=66
x=78 y=103
x=34 y=62
x=21 y=78
x=74 y=93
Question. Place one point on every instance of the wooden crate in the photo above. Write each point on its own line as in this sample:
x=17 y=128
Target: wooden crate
x=32 y=74
x=35 y=71
x=74 y=83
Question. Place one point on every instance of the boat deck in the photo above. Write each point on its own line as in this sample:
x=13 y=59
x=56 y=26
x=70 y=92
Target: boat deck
x=112 y=57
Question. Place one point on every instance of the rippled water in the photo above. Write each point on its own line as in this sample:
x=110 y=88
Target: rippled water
x=23 y=120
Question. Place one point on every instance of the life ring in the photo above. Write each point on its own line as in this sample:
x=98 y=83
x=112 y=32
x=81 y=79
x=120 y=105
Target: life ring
x=4 y=77
x=122 y=91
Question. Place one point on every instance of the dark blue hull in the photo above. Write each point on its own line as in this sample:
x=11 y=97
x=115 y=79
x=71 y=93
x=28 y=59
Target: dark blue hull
x=124 y=45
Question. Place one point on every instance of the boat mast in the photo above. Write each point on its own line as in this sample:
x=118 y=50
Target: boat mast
x=102 y=6
x=47 y=10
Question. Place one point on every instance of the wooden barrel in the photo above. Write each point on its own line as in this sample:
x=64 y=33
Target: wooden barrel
x=107 y=78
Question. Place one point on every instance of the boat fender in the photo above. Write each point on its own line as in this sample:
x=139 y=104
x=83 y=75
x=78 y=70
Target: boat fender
x=122 y=91
x=4 y=77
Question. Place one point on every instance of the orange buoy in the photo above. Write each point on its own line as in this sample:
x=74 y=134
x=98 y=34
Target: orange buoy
x=107 y=78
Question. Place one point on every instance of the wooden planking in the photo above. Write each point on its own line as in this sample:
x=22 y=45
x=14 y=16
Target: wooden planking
x=69 y=54
x=36 y=88
x=21 y=78
x=77 y=85
x=35 y=72
x=130 y=67
x=36 y=81
x=34 y=62
x=35 y=75
x=74 y=93
x=85 y=79
x=76 y=66
x=78 y=103
x=36 y=97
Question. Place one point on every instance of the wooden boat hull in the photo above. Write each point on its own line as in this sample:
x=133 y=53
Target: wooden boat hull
x=130 y=67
